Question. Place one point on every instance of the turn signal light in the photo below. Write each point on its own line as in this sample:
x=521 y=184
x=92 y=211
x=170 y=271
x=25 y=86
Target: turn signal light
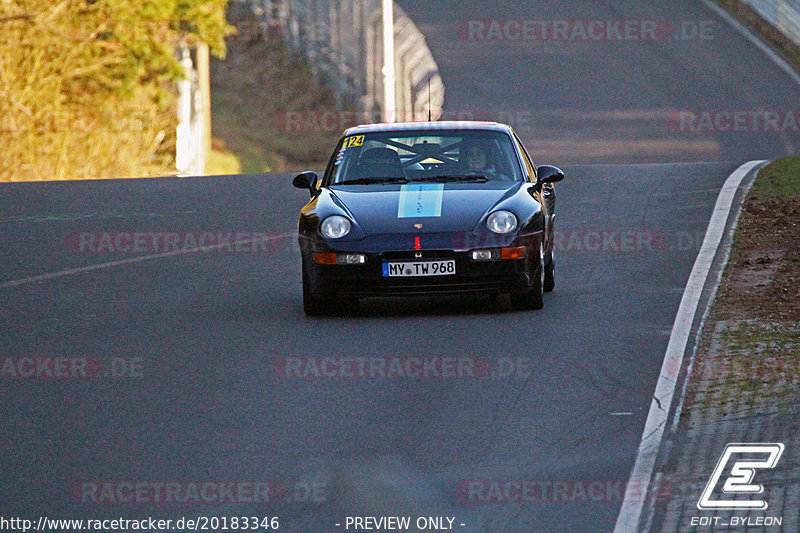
x=332 y=258
x=325 y=258
x=517 y=252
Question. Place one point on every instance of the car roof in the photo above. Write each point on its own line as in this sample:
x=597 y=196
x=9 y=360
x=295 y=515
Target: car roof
x=428 y=126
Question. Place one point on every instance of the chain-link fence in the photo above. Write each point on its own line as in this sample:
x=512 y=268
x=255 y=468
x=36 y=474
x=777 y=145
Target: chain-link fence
x=343 y=41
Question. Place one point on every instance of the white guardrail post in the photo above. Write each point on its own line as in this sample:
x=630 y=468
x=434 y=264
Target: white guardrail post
x=190 y=143
x=184 y=139
x=389 y=106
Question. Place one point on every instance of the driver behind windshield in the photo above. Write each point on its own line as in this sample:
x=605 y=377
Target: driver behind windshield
x=476 y=158
x=420 y=155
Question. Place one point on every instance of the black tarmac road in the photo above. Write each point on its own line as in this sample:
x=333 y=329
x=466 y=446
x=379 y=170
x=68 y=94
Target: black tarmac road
x=139 y=381
x=615 y=81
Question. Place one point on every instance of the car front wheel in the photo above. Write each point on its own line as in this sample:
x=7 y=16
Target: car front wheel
x=549 y=272
x=314 y=304
x=533 y=297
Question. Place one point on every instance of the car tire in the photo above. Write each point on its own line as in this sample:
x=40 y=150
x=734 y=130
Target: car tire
x=532 y=298
x=313 y=304
x=549 y=272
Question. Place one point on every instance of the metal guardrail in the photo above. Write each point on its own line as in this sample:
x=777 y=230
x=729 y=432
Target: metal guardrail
x=343 y=42
x=783 y=14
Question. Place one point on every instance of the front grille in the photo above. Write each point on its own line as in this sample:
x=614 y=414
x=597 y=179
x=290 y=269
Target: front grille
x=410 y=255
x=419 y=289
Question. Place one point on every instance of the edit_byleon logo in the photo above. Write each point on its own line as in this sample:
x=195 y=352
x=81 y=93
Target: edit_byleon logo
x=744 y=460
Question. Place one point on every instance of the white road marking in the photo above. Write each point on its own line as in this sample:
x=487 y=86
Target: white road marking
x=137 y=259
x=631 y=510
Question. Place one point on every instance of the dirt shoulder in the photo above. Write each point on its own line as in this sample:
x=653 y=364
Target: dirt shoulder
x=745 y=385
x=761 y=280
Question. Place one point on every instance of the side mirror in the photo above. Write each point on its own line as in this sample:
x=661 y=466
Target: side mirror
x=306 y=180
x=549 y=174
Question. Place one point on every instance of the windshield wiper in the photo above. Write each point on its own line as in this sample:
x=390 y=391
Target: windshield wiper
x=368 y=181
x=454 y=177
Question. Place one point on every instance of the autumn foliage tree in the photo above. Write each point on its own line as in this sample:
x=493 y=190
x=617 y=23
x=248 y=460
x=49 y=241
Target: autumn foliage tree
x=87 y=86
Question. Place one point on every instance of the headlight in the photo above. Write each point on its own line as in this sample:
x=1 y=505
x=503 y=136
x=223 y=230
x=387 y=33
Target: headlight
x=501 y=222
x=335 y=227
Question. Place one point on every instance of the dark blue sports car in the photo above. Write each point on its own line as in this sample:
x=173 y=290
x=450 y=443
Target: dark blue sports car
x=428 y=208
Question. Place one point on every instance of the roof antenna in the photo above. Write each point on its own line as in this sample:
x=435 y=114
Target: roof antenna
x=429 y=99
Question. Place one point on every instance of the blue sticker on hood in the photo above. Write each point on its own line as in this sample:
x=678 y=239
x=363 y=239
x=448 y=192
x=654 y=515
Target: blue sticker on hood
x=420 y=200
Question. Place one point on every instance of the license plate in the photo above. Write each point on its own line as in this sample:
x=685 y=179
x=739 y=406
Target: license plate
x=419 y=268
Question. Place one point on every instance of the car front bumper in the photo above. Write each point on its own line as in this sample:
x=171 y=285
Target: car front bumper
x=367 y=279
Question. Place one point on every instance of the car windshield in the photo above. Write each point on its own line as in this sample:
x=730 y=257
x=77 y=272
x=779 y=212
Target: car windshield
x=442 y=155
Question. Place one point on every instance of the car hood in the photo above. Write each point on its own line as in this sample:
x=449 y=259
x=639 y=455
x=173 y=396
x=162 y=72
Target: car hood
x=438 y=207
